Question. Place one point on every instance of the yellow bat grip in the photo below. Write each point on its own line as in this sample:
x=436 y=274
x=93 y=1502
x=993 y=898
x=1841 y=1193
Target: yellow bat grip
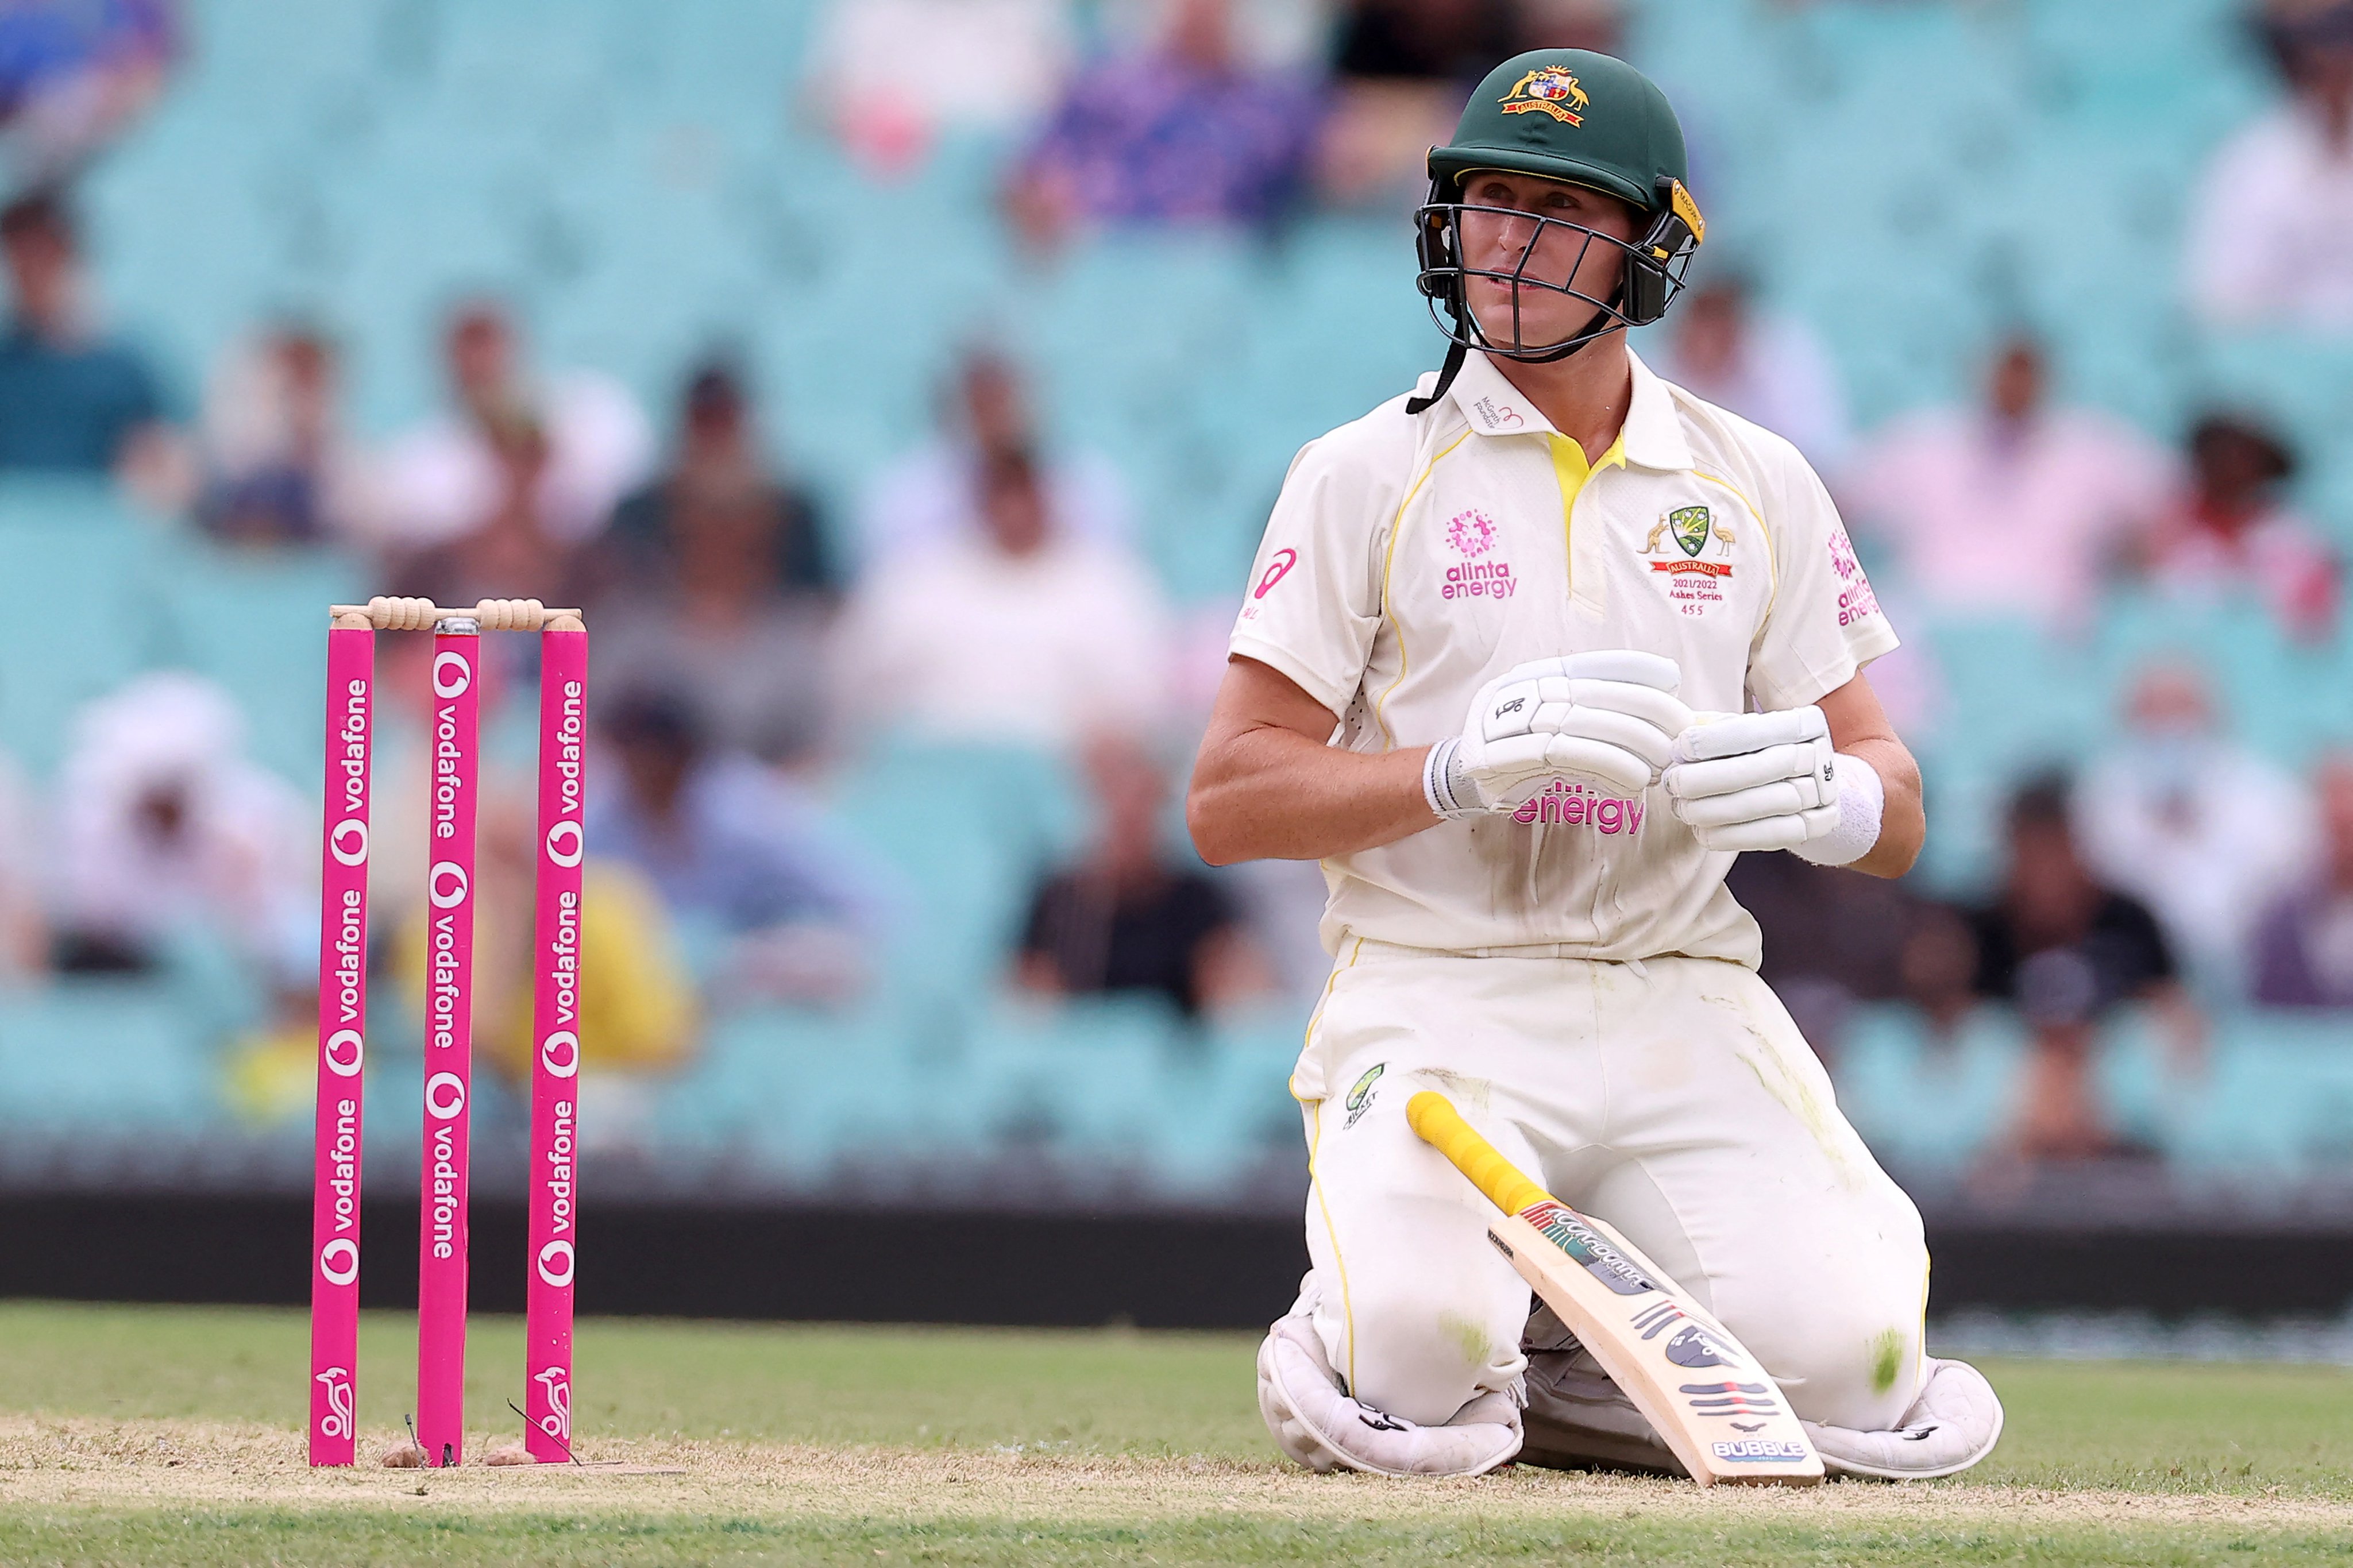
x=1434 y=1116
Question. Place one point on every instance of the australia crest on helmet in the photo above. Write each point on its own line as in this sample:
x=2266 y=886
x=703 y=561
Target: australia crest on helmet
x=1547 y=89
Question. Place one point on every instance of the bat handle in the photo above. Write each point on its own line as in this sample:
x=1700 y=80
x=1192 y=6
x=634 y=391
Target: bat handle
x=1433 y=1117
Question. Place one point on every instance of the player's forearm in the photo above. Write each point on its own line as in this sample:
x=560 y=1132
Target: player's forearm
x=1903 y=820
x=1269 y=794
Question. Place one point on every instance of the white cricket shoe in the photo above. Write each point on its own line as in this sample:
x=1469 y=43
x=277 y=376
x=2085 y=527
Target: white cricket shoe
x=1955 y=1423
x=1317 y=1423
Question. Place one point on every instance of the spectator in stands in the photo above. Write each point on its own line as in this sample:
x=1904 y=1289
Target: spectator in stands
x=2202 y=831
x=1768 y=368
x=277 y=470
x=2016 y=506
x=716 y=578
x=932 y=496
x=1184 y=133
x=1401 y=69
x=1832 y=938
x=742 y=862
x=2270 y=224
x=1010 y=58
x=1027 y=634
x=2303 y=954
x=1127 y=918
x=72 y=74
x=2067 y=951
x=2231 y=531
x=166 y=832
x=493 y=497
x=23 y=921
x=71 y=399
x=639 y=1020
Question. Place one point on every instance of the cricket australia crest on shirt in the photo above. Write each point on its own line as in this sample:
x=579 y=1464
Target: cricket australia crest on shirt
x=1479 y=573
x=1694 y=581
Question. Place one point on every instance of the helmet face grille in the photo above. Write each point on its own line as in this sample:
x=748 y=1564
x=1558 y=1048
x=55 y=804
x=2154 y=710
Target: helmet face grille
x=1647 y=275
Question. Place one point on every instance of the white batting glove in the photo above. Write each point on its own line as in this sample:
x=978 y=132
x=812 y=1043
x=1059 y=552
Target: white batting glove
x=1757 y=781
x=1610 y=716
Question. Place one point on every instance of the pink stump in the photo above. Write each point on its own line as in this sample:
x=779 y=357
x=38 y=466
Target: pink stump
x=449 y=1050
x=556 y=1027
x=343 y=1031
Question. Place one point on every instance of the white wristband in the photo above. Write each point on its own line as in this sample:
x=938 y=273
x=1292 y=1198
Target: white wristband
x=1862 y=802
x=1443 y=786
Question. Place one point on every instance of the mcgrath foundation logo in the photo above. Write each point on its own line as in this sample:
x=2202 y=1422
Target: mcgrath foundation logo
x=1551 y=89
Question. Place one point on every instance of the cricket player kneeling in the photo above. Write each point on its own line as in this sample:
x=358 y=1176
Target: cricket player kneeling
x=1528 y=658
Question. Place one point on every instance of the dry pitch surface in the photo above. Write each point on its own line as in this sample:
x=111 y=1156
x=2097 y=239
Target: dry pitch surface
x=172 y=1437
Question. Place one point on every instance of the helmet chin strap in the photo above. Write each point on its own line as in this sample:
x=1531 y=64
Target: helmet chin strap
x=1460 y=350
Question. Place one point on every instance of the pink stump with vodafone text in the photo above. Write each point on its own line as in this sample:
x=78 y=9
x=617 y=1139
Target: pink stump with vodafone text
x=448 y=1043
x=556 y=1029
x=343 y=1049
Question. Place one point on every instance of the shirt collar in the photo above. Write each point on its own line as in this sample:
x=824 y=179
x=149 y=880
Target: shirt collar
x=1652 y=434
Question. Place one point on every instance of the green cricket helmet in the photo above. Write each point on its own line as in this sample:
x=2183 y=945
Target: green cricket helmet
x=1585 y=120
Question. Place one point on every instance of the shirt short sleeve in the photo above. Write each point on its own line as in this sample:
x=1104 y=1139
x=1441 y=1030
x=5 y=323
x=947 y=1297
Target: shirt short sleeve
x=1825 y=623
x=1312 y=606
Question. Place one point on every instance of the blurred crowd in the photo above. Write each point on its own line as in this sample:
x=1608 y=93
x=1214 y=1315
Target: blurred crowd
x=754 y=643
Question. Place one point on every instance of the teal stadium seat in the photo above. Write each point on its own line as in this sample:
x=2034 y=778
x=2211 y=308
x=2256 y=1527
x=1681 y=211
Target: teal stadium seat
x=72 y=623
x=790 y=1093
x=98 y=1057
x=256 y=623
x=2276 y=1101
x=1922 y=1104
x=1090 y=1079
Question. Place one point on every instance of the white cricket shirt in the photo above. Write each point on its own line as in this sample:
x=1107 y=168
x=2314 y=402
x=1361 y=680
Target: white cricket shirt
x=1413 y=558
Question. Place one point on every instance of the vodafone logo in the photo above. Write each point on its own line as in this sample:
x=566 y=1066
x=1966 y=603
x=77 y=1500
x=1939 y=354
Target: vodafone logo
x=447 y=887
x=347 y=841
x=566 y=842
x=1285 y=559
x=560 y=1054
x=342 y=1053
x=339 y=1261
x=452 y=673
x=555 y=1264
x=445 y=1095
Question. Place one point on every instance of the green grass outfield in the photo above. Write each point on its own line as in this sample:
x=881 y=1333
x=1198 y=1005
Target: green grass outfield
x=169 y=1436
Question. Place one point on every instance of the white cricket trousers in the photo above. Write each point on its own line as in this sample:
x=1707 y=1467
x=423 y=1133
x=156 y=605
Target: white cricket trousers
x=1672 y=1098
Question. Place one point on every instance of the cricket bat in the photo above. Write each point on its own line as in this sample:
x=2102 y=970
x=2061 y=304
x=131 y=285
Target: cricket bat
x=1701 y=1392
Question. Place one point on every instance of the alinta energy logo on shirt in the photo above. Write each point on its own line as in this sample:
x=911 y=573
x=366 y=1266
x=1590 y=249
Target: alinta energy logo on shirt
x=1562 y=803
x=1472 y=534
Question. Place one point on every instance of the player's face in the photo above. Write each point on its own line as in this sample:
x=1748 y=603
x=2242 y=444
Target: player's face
x=1506 y=236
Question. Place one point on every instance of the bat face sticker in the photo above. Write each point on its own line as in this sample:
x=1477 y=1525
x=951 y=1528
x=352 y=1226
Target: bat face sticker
x=1693 y=1346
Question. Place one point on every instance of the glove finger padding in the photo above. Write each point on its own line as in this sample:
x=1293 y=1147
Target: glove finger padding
x=1782 y=797
x=1730 y=775
x=1624 y=664
x=1662 y=711
x=1732 y=735
x=1771 y=833
x=1646 y=742
x=1625 y=772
